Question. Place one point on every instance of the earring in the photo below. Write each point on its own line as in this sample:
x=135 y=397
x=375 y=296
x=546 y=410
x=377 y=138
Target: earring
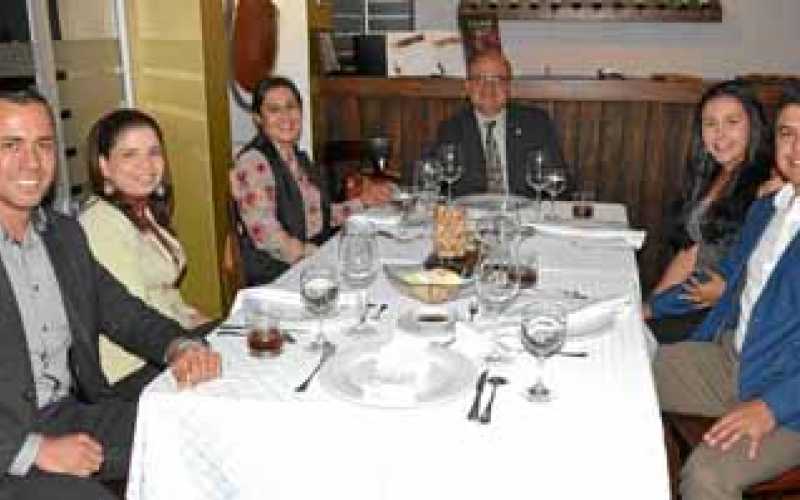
x=108 y=188
x=160 y=190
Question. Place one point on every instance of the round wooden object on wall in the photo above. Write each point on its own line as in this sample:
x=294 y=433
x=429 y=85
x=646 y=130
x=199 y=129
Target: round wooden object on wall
x=255 y=41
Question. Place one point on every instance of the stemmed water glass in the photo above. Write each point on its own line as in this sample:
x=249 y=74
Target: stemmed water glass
x=497 y=279
x=358 y=261
x=451 y=167
x=406 y=198
x=497 y=230
x=534 y=175
x=555 y=183
x=428 y=179
x=543 y=333
x=319 y=287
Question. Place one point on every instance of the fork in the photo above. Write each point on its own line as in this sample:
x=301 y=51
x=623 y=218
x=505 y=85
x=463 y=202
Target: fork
x=327 y=351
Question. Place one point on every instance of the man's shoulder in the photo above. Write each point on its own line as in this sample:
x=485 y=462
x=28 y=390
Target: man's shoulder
x=461 y=114
x=65 y=226
x=457 y=124
x=60 y=220
x=526 y=112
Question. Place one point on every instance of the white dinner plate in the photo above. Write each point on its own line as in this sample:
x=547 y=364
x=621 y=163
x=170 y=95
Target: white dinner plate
x=492 y=203
x=397 y=374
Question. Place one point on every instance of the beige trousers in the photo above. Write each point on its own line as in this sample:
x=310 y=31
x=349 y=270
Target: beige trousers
x=700 y=378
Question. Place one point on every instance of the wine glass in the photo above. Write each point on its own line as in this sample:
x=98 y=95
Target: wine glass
x=543 y=333
x=405 y=197
x=319 y=287
x=495 y=230
x=556 y=183
x=451 y=167
x=534 y=175
x=428 y=179
x=497 y=280
x=358 y=262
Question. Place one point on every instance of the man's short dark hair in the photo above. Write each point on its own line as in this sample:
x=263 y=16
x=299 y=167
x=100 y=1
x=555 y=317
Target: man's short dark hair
x=790 y=94
x=25 y=97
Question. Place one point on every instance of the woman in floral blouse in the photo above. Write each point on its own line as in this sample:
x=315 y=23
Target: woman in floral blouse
x=281 y=197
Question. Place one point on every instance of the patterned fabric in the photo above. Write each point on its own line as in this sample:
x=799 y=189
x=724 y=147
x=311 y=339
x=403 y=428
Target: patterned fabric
x=494 y=170
x=253 y=189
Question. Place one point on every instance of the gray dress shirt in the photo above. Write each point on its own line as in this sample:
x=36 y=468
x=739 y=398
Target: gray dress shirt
x=44 y=319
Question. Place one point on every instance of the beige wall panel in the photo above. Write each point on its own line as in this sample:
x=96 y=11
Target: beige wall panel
x=87 y=55
x=183 y=15
x=172 y=54
x=188 y=96
x=81 y=19
x=92 y=88
x=187 y=150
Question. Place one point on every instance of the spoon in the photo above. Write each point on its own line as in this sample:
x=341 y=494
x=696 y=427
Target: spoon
x=494 y=381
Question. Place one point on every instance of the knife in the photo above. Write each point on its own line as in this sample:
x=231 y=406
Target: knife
x=476 y=404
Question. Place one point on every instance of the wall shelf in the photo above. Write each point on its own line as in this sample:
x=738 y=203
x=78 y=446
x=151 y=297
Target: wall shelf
x=691 y=11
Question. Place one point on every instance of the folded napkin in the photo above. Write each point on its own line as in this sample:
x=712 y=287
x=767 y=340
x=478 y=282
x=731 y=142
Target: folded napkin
x=289 y=308
x=599 y=235
x=594 y=316
x=585 y=317
x=380 y=216
x=386 y=216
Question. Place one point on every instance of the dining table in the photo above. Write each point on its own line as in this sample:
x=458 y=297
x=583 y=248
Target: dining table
x=250 y=435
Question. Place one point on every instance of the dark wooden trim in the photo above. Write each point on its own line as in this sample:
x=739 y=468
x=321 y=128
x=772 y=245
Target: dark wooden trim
x=596 y=10
x=521 y=88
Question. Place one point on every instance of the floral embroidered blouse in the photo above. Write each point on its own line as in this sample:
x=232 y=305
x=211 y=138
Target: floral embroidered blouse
x=253 y=189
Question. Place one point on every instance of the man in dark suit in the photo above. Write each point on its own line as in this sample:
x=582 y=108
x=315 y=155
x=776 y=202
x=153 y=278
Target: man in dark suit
x=495 y=136
x=62 y=427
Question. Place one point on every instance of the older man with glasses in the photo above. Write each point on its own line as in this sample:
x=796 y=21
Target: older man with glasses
x=494 y=136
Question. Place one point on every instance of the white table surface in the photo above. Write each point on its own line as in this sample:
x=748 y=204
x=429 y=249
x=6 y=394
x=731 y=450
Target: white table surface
x=248 y=435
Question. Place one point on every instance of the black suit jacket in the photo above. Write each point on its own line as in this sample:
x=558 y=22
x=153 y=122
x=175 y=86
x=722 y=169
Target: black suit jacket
x=94 y=302
x=527 y=128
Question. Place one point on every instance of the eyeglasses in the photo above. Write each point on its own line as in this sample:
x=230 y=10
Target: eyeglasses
x=281 y=108
x=495 y=80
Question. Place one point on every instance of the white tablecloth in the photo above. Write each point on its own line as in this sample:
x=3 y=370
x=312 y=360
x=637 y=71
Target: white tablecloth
x=248 y=435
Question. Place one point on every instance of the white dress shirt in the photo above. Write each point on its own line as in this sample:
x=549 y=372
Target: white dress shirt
x=779 y=233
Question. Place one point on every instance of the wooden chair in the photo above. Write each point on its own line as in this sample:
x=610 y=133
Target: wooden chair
x=687 y=431
x=232 y=266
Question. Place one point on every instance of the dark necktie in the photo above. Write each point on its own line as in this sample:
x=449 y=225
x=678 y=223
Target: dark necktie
x=494 y=170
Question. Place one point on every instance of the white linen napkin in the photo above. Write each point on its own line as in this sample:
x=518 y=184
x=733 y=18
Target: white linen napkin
x=381 y=217
x=599 y=236
x=288 y=307
x=585 y=318
x=594 y=315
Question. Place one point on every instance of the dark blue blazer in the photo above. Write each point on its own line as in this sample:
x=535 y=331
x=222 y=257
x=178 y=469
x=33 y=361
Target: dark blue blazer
x=770 y=359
